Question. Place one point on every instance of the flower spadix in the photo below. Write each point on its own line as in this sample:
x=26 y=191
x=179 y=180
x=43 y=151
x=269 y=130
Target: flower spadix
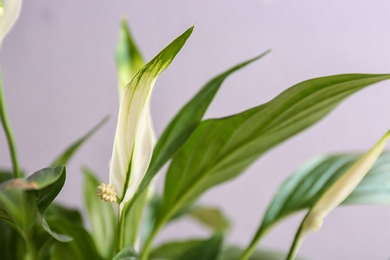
x=134 y=137
x=338 y=192
x=9 y=13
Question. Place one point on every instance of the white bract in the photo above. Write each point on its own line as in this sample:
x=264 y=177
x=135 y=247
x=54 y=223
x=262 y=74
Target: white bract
x=134 y=138
x=9 y=13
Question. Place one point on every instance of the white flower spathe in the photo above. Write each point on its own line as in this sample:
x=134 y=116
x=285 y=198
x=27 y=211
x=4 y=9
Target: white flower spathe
x=9 y=13
x=134 y=139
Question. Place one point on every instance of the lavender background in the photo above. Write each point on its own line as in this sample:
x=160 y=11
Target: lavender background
x=60 y=80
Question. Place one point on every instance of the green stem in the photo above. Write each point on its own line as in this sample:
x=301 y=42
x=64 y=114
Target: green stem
x=7 y=129
x=32 y=253
x=148 y=244
x=298 y=239
x=121 y=228
x=252 y=247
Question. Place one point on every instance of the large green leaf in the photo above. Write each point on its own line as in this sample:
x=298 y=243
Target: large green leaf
x=209 y=249
x=186 y=120
x=101 y=216
x=48 y=183
x=220 y=149
x=66 y=155
x=128 y=58
x=304 y=188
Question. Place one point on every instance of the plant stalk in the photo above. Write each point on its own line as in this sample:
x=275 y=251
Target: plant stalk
x=298 y=239
x=7 y=129
x=252 y=247
x=121 y=228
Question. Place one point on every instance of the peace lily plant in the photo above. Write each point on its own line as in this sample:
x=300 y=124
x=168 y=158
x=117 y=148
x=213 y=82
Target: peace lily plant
x=127 y=214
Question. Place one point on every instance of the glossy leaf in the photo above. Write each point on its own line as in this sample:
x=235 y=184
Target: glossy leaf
x=309 y=182
x=101 y=216
x=128 y=57
x=220 y=149
x=57 y=236
x=134 y=137
x=65 y=156
x=48 y=182
x=209 y=249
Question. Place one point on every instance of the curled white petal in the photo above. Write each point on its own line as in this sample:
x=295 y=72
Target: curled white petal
x=10 y=13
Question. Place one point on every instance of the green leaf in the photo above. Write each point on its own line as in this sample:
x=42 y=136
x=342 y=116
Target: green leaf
x=5 y=175
x=57 y=236
x=16 y=207
x=303 y=189
x=48 y=182
x=81 y=247
x=68 y=214
x=127 y=253
x=212 y=218
x=128 y=58
x=184 y=123
x=65 y=156
x=208 y=249
x=101 y=216
x=220 y=149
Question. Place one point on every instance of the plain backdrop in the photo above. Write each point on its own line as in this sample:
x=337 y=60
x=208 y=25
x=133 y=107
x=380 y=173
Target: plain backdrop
x=60 y=80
